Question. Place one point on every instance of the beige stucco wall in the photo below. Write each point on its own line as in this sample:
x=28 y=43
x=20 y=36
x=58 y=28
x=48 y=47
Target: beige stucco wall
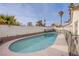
x=78 y=27
x=18 y=30
x=75 y=21
x=74 y=25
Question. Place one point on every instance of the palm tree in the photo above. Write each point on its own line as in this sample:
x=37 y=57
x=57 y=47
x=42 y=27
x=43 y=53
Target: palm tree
x=39 y=23
x=2 y=21
x=61 y=13
x=9 y=20
x=71 y=5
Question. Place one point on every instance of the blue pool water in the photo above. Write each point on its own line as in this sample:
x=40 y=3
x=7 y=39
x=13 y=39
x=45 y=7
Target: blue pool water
x=34 y=43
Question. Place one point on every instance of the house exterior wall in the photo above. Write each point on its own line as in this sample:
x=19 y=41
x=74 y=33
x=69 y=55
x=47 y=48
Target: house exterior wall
x=75 y=28
x=75 y=22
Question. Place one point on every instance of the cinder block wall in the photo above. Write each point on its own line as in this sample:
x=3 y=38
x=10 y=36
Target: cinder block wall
x=18 y=30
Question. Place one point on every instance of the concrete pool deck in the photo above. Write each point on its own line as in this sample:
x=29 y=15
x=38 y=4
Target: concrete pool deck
x=59 y=48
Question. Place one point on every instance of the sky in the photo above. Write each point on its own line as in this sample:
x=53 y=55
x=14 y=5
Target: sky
x=32 y=12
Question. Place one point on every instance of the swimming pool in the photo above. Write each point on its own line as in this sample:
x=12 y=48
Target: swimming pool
x=34 y=43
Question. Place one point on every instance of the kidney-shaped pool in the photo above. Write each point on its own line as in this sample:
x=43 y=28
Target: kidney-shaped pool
x=34 y=43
